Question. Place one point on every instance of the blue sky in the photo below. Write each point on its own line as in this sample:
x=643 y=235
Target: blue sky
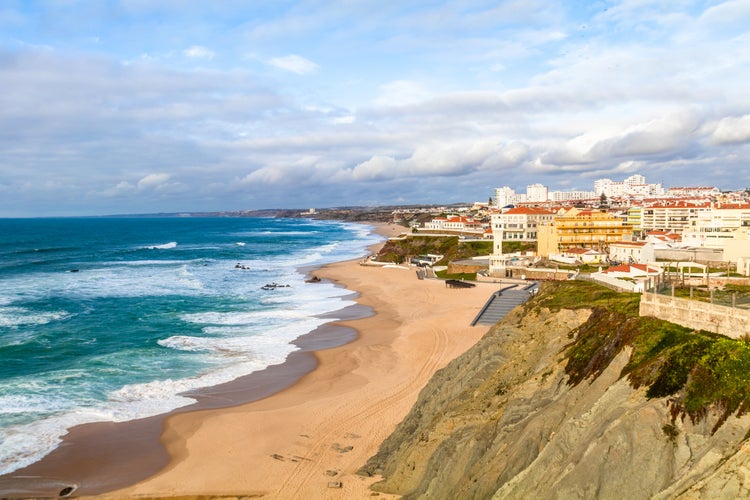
x=140 y=106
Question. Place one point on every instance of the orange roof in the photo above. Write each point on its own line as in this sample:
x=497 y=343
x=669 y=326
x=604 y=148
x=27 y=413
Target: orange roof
x=529 y=211
x=460 y=219
x=677 y=204
x=730 y=206
x=629 y=243
x=628 y=268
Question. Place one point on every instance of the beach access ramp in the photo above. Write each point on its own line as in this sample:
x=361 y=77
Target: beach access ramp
x=502 y=302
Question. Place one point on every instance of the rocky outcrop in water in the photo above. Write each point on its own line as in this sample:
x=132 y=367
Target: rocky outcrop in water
x=512 y=418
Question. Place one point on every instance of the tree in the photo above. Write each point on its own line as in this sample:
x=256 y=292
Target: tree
x=603 y=201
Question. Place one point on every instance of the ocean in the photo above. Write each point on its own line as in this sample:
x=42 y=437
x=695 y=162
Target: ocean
x=112 y=319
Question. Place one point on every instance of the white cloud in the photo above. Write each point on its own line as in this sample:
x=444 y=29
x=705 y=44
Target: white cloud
x=731 y=130
x=295 y=64
x=377 y=167
x=199 y=52
x=345 y=119
x=401 y=93
x=266 y=175
x=431 y=100
x=153 y=181
x=122 y=188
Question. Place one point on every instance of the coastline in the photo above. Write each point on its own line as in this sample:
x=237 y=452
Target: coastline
x=318 y=385
x=309 y=439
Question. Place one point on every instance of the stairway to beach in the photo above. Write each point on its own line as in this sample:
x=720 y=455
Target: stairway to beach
x=502 y=302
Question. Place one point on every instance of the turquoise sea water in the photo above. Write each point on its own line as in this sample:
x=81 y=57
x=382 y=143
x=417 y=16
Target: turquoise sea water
x=110 y=319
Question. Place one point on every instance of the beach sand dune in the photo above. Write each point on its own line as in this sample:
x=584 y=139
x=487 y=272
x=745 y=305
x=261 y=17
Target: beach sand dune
x=308 y=440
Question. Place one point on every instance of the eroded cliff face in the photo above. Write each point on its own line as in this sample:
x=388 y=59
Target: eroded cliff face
x=504 y=421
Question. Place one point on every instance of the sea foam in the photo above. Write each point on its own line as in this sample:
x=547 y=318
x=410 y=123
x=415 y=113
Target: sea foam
x=189 y=321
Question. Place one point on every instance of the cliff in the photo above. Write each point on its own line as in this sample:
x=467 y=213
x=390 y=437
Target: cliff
x=574 y=396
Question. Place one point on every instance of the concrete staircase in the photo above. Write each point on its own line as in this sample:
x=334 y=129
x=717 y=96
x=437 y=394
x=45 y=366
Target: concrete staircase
x=502 y=302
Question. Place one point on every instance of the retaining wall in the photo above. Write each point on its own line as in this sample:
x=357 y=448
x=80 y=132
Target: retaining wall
x=729 y=321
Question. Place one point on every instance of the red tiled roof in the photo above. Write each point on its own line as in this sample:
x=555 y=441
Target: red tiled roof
x=529 y=211
x=731 y=206
x=629 y=243
x=629 y=268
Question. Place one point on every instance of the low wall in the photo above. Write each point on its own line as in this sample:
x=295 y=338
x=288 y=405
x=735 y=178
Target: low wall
x=532 y=273
x=465 y=267
x=729 y=321
x=707 y=256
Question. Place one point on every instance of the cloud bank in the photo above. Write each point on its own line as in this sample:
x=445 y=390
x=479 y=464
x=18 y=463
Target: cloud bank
x=212 y=107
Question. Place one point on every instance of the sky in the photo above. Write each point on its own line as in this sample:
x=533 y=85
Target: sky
x=141 y=106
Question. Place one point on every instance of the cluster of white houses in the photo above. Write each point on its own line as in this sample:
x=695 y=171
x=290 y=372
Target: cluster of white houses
x=699 y=226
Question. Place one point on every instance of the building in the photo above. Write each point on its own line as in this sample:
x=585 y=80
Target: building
x=712 y=228
x=518 y=224
x=579 y=256
x=639 y=273
x=581 y=228
x=635 y=218
x=671 y=215
x=699 y=192
x=632 y=252
x=573 y=196
x=633 y=186
x=454 y=223
x=536 y=193
x=505 y=196
x=664 y=239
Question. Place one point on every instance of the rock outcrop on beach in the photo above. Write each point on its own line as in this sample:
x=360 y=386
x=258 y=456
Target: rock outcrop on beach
x=566 y=401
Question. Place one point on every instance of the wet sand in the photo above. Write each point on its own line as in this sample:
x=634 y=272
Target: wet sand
x=311 y=421
x=314 y=435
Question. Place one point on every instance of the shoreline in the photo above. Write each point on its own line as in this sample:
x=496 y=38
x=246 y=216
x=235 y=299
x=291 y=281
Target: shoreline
x=309 y=440
x=98 y=457
x=317 y=386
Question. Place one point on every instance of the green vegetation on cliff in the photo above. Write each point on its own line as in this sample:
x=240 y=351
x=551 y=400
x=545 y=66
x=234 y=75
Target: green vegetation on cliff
x=573 y=395
x=698 y=369
x=401 y=250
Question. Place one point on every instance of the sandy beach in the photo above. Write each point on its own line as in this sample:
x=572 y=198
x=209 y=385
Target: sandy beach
x=302 y=441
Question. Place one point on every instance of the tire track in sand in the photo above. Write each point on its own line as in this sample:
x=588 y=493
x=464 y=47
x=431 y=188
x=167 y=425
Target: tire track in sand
x=327 y=433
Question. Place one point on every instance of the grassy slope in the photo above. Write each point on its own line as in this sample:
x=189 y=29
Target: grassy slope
x=698 y=369
x=400 y=251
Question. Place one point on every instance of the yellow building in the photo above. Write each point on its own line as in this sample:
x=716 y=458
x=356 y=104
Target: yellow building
x=581 y=228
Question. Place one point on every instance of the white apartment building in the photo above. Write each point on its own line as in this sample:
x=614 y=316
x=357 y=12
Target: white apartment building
x=714 y=227
x=565 y=196
x=505 y=196
x=518 y=224
x=670 y=215
x=635 y=185
x=536 y=193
